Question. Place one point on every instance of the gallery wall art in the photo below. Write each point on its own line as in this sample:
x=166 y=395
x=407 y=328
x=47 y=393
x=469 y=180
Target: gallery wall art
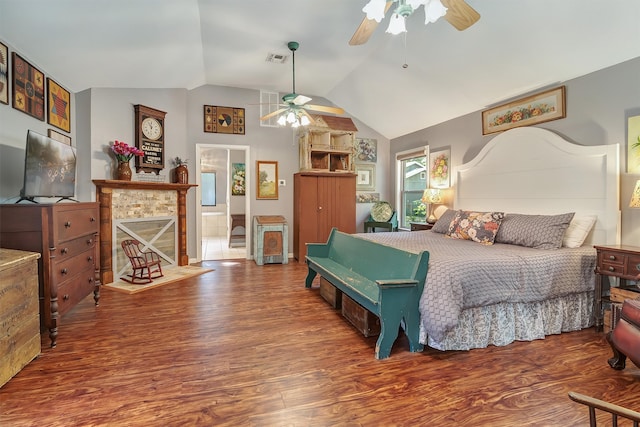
x=223 y=120
x=59 y=111
x=28 y=87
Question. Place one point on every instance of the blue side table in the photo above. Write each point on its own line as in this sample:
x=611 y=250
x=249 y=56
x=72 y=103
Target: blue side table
x=270 y=239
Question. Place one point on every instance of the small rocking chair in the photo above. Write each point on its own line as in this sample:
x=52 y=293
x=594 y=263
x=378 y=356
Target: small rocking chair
x=146 y=265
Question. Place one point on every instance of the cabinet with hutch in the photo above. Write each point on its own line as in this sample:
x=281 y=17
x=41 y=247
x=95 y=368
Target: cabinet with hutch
x=66 y=236
x=327 y=145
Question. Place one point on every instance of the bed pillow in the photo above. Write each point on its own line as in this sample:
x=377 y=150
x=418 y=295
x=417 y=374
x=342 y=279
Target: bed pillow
x=534 y=231
x=442 y=224
x=578 y=230
x=479 y=227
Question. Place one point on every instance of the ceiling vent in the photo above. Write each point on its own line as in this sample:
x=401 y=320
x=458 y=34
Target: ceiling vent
x=277 y=58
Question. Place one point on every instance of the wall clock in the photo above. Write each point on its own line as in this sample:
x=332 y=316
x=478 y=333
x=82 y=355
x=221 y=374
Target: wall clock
x=149 y=137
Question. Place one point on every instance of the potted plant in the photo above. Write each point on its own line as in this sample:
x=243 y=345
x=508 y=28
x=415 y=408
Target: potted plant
x=180 y=171
x=124 y=153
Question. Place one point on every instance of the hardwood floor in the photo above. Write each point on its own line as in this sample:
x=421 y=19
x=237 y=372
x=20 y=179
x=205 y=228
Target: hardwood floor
x=248 y=345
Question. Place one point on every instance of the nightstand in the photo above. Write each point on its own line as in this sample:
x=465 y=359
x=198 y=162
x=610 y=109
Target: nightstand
x=417 y=226
x=618 y=261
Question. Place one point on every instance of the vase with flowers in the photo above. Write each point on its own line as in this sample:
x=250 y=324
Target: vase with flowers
x=180 y=171
x=124 y=153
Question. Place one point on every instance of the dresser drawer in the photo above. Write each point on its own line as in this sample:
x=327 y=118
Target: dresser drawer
x=633 y=265
x=70 y=267
x=72 y=223
x=75 y=290
x=71 y=248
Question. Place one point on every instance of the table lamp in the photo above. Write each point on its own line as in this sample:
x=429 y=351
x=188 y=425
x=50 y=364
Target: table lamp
x=432 y=196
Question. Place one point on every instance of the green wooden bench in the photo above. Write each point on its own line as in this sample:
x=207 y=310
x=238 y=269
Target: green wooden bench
x=386 y=281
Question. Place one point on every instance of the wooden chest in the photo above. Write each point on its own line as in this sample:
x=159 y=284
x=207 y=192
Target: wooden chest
x=270 y=239
x=330 y=293
x=19 y=313
x=364 y=321
x=621 y=294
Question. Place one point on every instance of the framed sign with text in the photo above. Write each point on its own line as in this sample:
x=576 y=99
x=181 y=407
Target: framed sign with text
x=149 y=135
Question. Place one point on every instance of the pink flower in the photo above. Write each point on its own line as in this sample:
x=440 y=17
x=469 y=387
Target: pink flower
x=125 y=152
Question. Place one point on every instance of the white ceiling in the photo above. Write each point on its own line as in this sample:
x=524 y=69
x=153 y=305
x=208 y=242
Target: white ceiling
x=517 y=46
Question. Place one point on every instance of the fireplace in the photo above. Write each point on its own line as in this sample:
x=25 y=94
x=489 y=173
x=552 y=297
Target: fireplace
x=154 y=213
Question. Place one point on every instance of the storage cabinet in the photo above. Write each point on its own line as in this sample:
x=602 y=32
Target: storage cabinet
x=328 y=145
x=321 y=201
x=66 y=236
x=19 y=317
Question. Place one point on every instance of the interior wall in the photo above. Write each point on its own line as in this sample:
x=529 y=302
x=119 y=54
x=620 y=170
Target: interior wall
x=598 y=106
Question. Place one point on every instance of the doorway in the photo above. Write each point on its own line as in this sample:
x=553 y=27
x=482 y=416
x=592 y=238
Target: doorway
x=219 y=235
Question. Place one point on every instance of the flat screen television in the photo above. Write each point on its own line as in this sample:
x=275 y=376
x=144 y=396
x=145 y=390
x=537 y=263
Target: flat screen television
x=49 y=168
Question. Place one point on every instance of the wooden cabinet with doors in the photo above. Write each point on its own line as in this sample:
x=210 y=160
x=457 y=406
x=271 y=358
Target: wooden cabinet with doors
x=321 y=201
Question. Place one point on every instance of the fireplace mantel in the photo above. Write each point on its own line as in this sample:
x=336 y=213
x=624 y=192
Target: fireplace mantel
x=104 y=191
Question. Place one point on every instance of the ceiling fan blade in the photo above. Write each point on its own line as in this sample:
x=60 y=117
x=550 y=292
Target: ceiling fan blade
x=272 y=114
x=460 y=14
x=324 y=109
x=301 y=100
x=366 y=28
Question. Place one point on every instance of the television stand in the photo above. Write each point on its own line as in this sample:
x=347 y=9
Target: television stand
x=28 y=199
x=67 y=198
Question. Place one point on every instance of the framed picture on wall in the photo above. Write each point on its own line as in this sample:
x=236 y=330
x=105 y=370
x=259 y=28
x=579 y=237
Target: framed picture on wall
x=59 y=111
x=439 y=168
x=238 y=183
x=59 y=137
x=365 y=177
x=267 y=179
x=28 y=87
x=633 y=151
x=4 y=74
x=366 y=150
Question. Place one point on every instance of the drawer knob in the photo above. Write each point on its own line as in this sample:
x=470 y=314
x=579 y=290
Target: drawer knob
x=92 y=219
x=67 y=224
x=63 y=271
x=89 y=241
x=90 y=279
x=612 y=268
x=64 y=250
x=65 y=297
x=89 y=258
x=612 y=257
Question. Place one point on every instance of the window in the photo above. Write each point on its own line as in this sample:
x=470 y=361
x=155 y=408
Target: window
x=411 y=167
x=208 y=189
x=269 y=102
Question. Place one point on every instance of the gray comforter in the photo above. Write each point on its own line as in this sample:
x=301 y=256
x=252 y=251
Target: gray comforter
x=464 y=274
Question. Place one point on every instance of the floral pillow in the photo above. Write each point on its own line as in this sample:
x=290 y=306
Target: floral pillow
x=480 y=227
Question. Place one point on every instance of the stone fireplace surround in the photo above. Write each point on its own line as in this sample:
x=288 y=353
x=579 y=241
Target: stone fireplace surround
x=169 y=200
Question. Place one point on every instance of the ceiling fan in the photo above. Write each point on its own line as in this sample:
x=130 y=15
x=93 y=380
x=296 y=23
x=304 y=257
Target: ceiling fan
x=294 y=106
x=458 y=13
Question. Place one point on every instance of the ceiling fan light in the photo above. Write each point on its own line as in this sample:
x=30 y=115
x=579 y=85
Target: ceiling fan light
x=433 y=10
x=375 y=9
x=295 y=124
x=291 y=118
x=396 y=25
x=282 y=120
x=416 y=3
x=304 y=120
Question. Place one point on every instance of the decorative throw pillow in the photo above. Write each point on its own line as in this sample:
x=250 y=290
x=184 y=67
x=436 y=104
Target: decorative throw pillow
x=442 y=224
x=578 y=230
x=534 y=231
x=479 y=227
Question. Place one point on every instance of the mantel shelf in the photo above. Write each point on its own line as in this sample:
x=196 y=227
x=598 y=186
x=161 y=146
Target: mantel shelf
x=141 y=185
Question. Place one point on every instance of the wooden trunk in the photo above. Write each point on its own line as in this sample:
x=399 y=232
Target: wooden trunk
x=366 y=322
x=621 y=294
x=330 y=293
x=19 y=312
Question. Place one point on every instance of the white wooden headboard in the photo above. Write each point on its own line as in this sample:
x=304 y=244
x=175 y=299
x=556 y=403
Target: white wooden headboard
x=534 y=171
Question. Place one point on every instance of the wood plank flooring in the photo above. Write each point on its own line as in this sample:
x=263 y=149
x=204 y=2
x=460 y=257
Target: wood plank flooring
x=248 y=345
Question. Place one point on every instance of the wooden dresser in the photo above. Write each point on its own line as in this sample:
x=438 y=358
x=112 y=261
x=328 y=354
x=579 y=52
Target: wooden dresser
x=66 y=236
x=19 y=317
x=321 y=201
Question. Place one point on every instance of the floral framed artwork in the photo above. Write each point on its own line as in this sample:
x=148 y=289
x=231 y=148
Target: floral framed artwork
x=534 y=109
x=439 y=168
x=59 y=137
x=28 y=87
x=366 y=150
x=238 y=183
x=223 y=120
x=4 y=74
x=367 y=197
x=365 y=177
x=633 y=145
x=59 y=111
x=267 y=177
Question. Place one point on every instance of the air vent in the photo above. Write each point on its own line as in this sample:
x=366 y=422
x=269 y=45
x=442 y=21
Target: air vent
x=277 y=58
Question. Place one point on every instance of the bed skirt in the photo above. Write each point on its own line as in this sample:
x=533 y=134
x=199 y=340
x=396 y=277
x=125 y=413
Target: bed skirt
x=502 y=324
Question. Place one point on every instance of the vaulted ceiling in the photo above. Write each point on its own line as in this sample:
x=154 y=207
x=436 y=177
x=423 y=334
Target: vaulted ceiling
x=516 y=47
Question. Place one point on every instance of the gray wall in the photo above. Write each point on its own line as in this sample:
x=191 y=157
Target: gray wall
x=598 y=106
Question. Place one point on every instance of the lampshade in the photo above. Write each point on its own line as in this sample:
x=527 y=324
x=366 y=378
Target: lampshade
x=375 y=9
x=432 y=195
x=635 y=196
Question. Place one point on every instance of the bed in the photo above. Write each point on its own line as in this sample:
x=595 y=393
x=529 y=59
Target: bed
x=520 y=287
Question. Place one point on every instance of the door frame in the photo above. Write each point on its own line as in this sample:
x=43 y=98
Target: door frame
x=248 y=193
